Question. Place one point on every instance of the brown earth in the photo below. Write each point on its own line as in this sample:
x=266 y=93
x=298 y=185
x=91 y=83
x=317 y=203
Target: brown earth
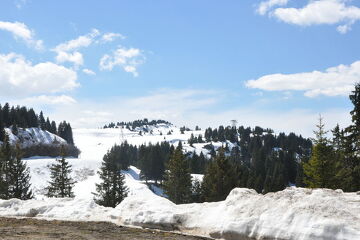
x=30 y=228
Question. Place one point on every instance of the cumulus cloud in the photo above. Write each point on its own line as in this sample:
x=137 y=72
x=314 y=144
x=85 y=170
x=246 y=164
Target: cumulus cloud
x=67 y=51
x=21 y=31
x=334 y=81
x=265 y=6
x=19 y=77
x=75 y=57
x=88 y=71
x=126 y=58
x=109 y=37
x=316 y=12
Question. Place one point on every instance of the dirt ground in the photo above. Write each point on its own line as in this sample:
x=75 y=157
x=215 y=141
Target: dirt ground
x=29 y=228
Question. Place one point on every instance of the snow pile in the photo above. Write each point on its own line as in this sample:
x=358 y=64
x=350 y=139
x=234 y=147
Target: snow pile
x=294 y=213
x=27 y=137
x=57 y=208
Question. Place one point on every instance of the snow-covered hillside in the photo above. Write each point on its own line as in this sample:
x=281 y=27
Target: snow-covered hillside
x=27 y=137
x=94 y=143
x=290 y=214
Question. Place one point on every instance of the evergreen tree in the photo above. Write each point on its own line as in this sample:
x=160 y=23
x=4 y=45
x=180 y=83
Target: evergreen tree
x=6 y=157
x=320 y=171
x=177 y=183
x=65 y=132
x=219 y=178
x=112 y=190
x=2 y=132
x=19 y=176
x=32 y=119
x=48 y=125
x=6 y=115
x=351 y=170
x=53 y=127
x=42 y=123
x=196 y=196
x=61 y=183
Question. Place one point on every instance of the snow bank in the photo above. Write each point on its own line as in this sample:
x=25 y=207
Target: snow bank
x=57 y=208
x=294 y=213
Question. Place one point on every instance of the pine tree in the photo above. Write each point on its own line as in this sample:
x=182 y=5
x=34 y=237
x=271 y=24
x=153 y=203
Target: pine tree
x=48 y=125
x=53 y=127
x=196 y=196
x=61 y=183
x=112 y=190
x=6 y=115
x=42 y=123
x=177 y=183
x=2 y=132
x=352 y=144
x=19 y=177
x=219 y=178
x=320 y=171
x=65 y=132
x=5 y=163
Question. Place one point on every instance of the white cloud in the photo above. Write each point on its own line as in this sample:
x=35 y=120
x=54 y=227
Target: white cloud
x=66 y=52
x=333 y=81
x=126 y=58
x=49 y=100
x=69 y=51
x=20 y=30
x=88 y=71
x=75 y=57
x=265 y=6
x=81 y=41
x=19 y=77
x=109 y=37
x=316 y=12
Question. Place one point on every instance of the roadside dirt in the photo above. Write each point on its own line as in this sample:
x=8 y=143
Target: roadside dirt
x=29 y=228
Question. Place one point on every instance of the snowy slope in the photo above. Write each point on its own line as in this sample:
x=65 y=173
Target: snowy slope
x=27 y=137
x=94 y=143
x=290 y=214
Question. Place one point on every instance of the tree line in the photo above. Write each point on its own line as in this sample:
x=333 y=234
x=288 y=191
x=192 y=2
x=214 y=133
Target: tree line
x=137 y=123
x=259 y=160
x=15 y=117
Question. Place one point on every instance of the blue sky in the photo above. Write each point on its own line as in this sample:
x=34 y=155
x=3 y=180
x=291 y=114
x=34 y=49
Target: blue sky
x=276 y=63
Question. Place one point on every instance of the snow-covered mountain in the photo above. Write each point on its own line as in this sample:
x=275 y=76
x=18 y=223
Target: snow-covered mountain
x=27 y=137
x=294 y=213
